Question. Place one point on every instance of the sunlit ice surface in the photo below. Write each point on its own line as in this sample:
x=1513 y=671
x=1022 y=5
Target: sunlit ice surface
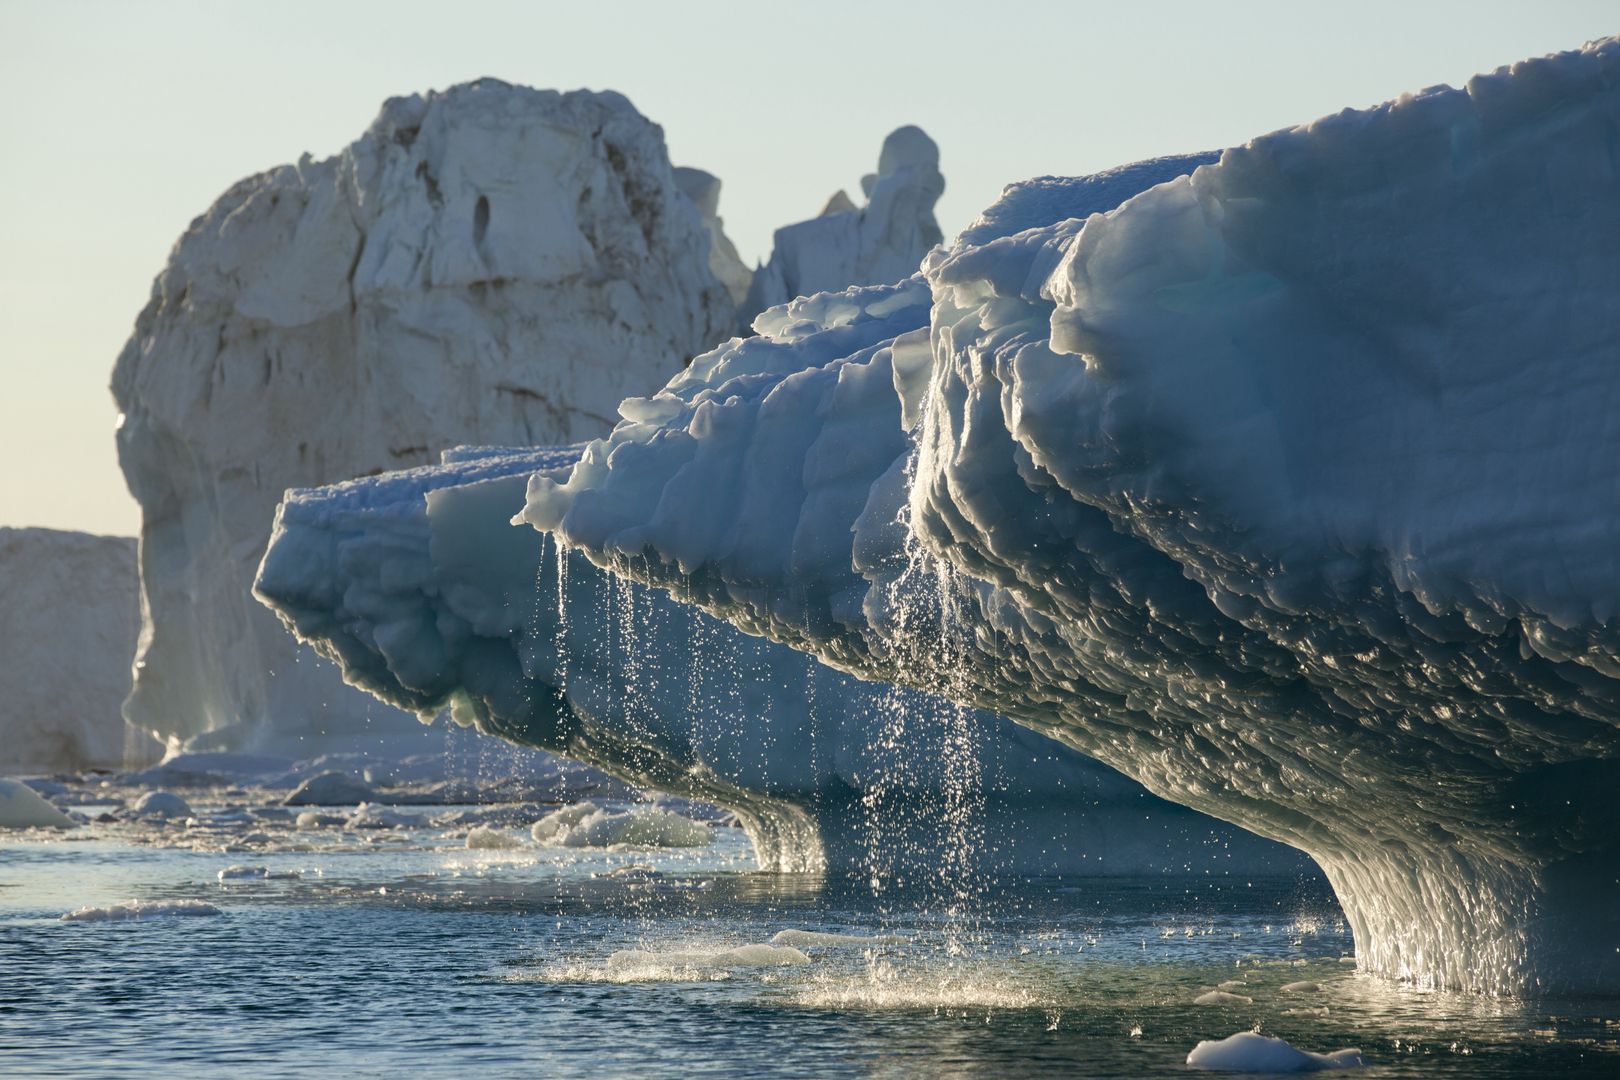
x=397 y=948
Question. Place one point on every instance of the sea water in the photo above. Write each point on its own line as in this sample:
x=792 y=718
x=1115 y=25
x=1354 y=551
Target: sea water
x=398 y=950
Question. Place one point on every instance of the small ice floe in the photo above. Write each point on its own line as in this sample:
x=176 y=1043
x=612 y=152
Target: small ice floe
x=371 y=816
x=1222 y=997
x=810 y=939
x=314 y=819
x=1232 y=984
x=488 y=839
x=331 y=789
x=1304 y=986
x=161 y=804
x=21 y=807
x=588 y=825
x=140 y=909
x=758 y=955
x=1248 y=1051
x=257 y=873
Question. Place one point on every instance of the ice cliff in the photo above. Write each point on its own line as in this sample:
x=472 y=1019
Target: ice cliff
x=421 y=588
x=491 y=264
x=69 y=615
x=1285 y=488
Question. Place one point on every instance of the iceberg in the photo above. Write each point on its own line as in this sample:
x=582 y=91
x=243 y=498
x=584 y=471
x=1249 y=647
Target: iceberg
x=1284 y=487
x=489 y=263
x=845 y=244
x=417 y=584
x=21 y=807
x=67 y=635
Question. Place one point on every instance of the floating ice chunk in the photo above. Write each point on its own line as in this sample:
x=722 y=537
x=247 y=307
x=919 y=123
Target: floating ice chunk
x=588 y=825
x=21 y=807
x=311 y=819
x=140 y=909
x=1222 y=997
x=331 y=789
x=491 y=839
x=257 y=873
x=371 y=816
x=1304 y=986
x=1249 y=1052
x=66 y=674
x=162 y=804
x=756 y=955
x=817 y=939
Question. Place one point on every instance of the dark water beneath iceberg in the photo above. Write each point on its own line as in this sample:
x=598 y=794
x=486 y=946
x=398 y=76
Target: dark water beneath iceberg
x=402 y=952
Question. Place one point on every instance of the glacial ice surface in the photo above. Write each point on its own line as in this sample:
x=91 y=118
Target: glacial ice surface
x=1284 y=487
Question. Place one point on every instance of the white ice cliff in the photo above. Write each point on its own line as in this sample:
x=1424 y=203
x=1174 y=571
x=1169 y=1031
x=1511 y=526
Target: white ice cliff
x=69 y=616
x=879 y=242
x=491 y=264
x=1286 y=488
x=420 y=587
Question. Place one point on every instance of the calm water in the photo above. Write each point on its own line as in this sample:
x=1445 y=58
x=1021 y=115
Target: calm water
x=400 y=952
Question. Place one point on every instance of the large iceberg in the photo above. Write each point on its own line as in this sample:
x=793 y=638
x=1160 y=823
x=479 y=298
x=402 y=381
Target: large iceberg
x=69 y=616
x=490 y=263
x=1285 y=488
x=419 y=586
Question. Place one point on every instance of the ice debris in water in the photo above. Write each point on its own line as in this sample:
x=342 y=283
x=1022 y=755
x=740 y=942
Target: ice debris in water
x=21 y=807
x=1250 y=1052
x=588 y=825
x=140 y=909
x=331 y=789
x=757 y=955
x=257 y=873
x=491 y=839
x=1222 y=997
x=162 y=804
x=815 y=938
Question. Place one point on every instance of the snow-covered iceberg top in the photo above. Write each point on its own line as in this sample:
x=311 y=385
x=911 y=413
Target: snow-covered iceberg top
x=1285 y=487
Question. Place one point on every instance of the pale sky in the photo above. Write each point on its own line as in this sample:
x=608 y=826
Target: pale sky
x=124 y=120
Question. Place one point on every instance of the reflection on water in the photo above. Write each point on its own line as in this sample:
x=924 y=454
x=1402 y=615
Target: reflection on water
x=406 y=952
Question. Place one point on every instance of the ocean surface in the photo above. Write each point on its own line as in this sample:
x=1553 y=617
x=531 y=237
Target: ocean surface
x=397 y=950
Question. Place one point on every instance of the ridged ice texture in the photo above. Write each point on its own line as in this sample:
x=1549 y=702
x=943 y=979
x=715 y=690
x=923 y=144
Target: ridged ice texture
x=1286 y=488
x=490 y=263
x=421 y=588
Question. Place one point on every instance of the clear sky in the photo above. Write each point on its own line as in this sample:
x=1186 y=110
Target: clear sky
x=124 y=119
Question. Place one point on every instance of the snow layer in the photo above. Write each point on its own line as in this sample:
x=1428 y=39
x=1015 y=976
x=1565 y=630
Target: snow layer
x=882 y=241
x=1285 y=488
x=490 y=263
x=69 y=616
x=420 y=587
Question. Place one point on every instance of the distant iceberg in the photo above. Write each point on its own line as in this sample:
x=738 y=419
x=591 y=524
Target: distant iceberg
x=1286 y=487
